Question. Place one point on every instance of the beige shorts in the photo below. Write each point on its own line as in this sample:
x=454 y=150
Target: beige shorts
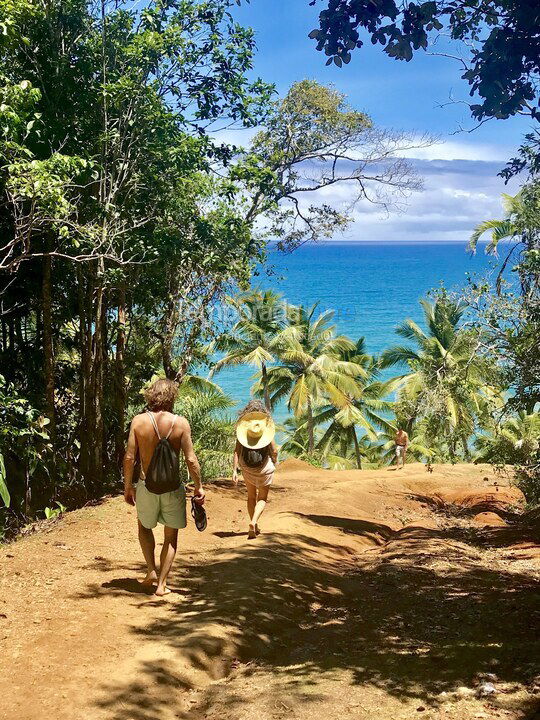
x=167 y=509
x=258 y=481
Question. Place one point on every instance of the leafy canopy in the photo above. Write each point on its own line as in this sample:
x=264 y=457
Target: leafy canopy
x=502 y=35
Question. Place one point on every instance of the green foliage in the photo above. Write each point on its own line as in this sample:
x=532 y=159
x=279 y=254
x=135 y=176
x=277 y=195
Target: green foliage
x=515 y=441
x=52 y=513
x=118 y=238
x=508 y=316
x=340 y=439
x=312 y=139
x=255 y=336
x=211 y=427
x=4 y=492
x=311 y=368
x=451 y=385
x=125 y=222
x=296 y=441
x=21 y=425
x=522 y=225
x=24 y=447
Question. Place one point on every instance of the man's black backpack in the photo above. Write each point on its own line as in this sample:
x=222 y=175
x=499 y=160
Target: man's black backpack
x=163 y=474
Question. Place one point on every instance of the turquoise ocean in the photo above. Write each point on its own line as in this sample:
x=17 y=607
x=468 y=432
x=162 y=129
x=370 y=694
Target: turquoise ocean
x=371 y=288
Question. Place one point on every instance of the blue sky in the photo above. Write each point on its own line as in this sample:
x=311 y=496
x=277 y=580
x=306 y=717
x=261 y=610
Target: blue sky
x=460 y=183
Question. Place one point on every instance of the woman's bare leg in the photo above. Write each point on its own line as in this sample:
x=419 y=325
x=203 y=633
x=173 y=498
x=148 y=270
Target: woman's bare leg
x=262 y=497
x=170 y=541
x=251 y=503
x=251 y=499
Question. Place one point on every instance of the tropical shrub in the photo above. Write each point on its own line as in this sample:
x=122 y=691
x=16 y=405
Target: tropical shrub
x=212 y=428
x=24 y=444
x=515 y=441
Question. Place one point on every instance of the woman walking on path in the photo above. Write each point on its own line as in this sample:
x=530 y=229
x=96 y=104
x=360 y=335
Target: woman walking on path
x=256 y=455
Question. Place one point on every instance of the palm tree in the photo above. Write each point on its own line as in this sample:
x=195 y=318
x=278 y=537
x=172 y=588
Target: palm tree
x=312 y=371
x=500 y=230
x=362 y=410
x=515 y=440
x=448 y=381
x=343 y=455
x=253 y=338
x=521 y=224
x=296 y=439
x=206 y=407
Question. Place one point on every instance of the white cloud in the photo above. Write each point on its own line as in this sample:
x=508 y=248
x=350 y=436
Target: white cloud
x=456 y=150
x=458 y=194
x=461 y=189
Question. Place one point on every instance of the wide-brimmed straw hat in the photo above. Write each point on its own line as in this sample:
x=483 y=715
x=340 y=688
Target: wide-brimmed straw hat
x=255 y=430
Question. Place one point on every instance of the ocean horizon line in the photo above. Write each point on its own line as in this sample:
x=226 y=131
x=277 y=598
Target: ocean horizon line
x=335 y=243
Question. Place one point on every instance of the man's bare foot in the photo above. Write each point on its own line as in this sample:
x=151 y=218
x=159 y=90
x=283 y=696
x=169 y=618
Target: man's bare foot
x=162 y=590
x=252 y=533
x=150 y=579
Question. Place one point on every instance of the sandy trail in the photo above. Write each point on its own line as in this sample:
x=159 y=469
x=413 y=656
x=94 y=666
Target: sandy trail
x=359 y=600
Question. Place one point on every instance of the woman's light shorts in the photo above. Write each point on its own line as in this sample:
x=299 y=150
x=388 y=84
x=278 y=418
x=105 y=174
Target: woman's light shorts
x=168 y=509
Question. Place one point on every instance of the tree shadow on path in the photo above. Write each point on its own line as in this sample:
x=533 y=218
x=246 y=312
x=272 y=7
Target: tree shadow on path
x=421 y=615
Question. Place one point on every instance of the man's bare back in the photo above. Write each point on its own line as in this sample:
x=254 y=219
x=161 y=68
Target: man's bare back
x=146 y=438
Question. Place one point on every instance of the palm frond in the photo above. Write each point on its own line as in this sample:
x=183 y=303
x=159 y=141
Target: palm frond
x=398 y=355
x=411 y=331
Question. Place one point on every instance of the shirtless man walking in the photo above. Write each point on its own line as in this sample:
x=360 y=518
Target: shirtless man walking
x=168 y=509
x=402 y=443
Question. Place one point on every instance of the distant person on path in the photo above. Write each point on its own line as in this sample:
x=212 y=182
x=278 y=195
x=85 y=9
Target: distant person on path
x=160 y=496
x=402 y=443
x=256 y=455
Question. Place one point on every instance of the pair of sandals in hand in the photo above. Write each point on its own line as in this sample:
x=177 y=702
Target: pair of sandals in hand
x=198 y=513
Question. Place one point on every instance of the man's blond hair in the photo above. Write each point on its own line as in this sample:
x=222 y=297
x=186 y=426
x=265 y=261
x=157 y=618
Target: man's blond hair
x=161 y=395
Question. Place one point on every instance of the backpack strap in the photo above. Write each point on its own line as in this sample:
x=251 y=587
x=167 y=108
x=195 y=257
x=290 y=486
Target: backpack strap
x=154 y=423
x=172 y=426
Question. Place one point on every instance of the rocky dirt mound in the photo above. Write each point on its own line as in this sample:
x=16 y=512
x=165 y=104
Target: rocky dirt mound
x=360 y=599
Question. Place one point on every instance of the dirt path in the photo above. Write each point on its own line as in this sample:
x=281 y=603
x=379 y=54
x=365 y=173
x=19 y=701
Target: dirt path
x=359 y=600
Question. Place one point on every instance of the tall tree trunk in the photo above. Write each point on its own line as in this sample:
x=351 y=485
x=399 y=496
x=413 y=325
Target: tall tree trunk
x=452 y=449
x=167 y=343
x=96 y=451
x=266 y=389
x=311 y=430
x=19 y=334
x=465 y=446
x=87 y=425
x=83 y=364
x=120 y=375
x=27 y=490
x=48 y=358
x=166 y=356
x=105 y=376
x=356 y=448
